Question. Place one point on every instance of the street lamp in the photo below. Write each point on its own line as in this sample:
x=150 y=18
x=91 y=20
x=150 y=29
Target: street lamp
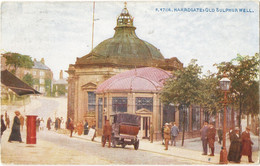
x=224 y=86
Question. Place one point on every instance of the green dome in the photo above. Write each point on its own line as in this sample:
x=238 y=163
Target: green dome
x=124 y=48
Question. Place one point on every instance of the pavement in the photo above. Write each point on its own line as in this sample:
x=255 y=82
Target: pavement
x=192 y=150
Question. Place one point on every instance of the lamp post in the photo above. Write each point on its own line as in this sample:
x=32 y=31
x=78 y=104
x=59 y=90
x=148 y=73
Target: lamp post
x=224 y=86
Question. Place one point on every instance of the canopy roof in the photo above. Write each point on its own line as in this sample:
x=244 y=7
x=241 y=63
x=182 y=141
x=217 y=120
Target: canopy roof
x=147 y=79
x=15 y=84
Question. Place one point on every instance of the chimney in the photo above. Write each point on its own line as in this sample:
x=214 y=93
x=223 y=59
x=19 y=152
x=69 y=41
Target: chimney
x=42 y=61
x=61 y=74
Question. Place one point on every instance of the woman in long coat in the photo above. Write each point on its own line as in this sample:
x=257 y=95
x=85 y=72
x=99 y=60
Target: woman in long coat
x=235 y=147
x=247 y=145
x=15 y=134
x=49 y=123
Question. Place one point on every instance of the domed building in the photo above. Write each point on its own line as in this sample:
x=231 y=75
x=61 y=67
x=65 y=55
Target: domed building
x=123 y=52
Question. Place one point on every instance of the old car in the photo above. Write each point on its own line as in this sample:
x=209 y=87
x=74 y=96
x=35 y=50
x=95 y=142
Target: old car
x=125 y=128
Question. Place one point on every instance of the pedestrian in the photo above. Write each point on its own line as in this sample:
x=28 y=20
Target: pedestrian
x=80 y=128
x=22 y=121
x=163 y=135
x=86 y=128
x=167 y=136
x=174 y=133
x=107 y=133
x=203 y=132
x=151 y=132
x=49 y=123
x=70 y=126
x=247 y=145
x=38 y=122
x=3 y=126
x=231 y=134
x=56 y=124
x=220 y=135
x=8 y=122
x=41 y=124
x=211 y=138
x=235 y=148
x=62 y=123
x=15 y=133
x=95 y=134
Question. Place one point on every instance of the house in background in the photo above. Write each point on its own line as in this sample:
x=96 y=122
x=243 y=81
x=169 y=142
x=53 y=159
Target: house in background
x=60 y=87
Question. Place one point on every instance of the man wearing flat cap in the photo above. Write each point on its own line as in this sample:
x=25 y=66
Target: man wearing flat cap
x=235 y=147
x=15 y=134
x=247 y=145
x=167 y=136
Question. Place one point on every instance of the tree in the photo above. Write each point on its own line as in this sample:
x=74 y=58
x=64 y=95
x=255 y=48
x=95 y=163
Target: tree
x=183 y=89
x=28 y=78
x=242 y=71
x=16 y=60
x=210 y=93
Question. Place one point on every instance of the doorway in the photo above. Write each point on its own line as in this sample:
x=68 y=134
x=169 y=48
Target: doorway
x=146 y=127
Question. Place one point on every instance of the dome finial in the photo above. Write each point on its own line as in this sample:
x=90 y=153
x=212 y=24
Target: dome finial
x=125 y=4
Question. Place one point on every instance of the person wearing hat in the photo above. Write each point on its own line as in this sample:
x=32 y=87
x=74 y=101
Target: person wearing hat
x=211 y=134
x=247 y=145
x=15 y=134
x=203 y=132
x=167 y=136
x=107 y=133
x=235 y=147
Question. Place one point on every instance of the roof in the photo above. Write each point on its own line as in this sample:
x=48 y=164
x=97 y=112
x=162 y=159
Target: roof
x=124 y=48
x=15 y=84
x=147 y=79
x=40 y=65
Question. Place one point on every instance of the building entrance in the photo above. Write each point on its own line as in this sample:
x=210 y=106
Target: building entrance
x=146 y=119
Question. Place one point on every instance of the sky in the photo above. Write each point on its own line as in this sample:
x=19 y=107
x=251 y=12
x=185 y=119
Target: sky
x=61 y=31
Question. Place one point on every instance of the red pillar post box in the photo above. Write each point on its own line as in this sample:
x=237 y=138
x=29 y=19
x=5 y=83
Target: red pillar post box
x=31 y=129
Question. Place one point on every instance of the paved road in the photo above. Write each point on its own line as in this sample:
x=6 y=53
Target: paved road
x=117 y=155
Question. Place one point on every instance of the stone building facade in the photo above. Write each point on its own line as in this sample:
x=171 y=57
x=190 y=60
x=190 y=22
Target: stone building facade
x=122 y=52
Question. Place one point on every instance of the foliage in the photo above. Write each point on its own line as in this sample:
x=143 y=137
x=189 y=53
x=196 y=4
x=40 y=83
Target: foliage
x=15 y=60
x=243 y=71
x=48 y=87
x=210 y=93
x=28 y=78
x=183 y=89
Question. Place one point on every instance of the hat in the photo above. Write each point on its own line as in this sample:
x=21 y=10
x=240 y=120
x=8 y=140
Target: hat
x=247 y=128
x=166 y=123
x=236 y=128
x=16 y=112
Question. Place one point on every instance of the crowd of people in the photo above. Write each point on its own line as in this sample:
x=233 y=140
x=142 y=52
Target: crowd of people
x=239 y=144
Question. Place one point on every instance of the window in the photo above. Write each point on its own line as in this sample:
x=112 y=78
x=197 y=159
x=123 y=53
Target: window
x=119 y=104
x=41 y=81
x=100 y=108
x=184 y=113
x=144 y=102
x=168 y=113
x=91 y=102
x=42 y=89
x=195 y=118
x=42 y=73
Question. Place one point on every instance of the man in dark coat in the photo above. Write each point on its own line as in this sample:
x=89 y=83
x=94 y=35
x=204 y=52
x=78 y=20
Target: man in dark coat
x=247 y=144
x=15 y=134
x=86 y=128
x=174 y=133
x=107 y=133
x=70 y=126
x=235 y=147
x=220 y=135
x=204 y=139
x=3 y=126
x=211 y=134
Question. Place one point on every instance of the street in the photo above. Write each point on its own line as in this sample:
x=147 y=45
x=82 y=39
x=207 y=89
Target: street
x=56 y=147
